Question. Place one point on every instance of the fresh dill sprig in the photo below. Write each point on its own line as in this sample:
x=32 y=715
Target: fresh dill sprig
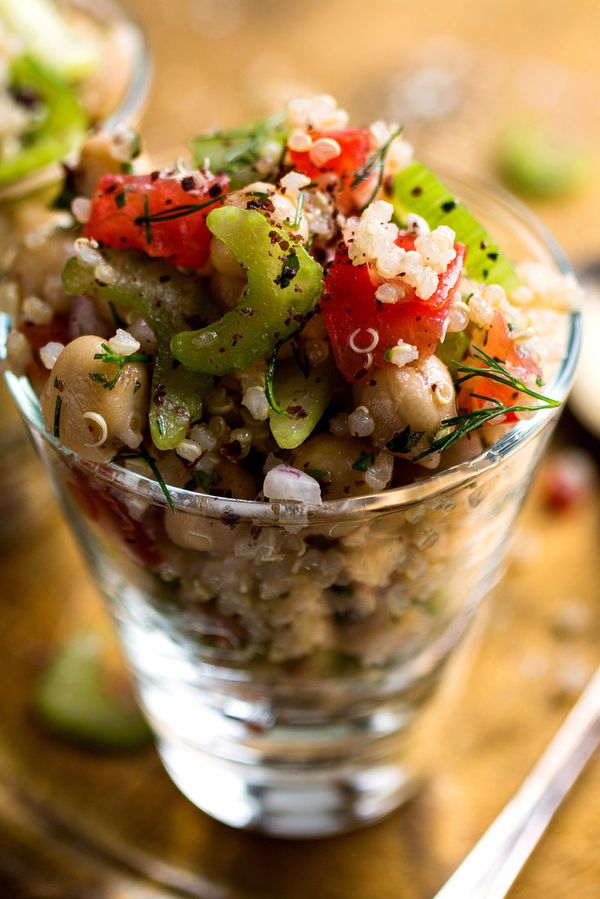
x=142 y=453
x=302 y=360
x=495 y=371
x=472 y=421
x=169 y=215
x=269 y=385
x=299 y=208
x=375 y=162
x=455 y=428
x=112 y=358
x=238 y=151
x=119 y=321
x=57 y=409
x=147 y=219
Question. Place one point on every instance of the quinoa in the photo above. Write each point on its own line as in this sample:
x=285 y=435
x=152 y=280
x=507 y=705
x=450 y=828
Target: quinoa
x=382 y=344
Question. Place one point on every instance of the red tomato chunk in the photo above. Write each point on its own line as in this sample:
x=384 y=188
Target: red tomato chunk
x=356 y=145
x=498 y=343
x=350 y=309
x=122 y=202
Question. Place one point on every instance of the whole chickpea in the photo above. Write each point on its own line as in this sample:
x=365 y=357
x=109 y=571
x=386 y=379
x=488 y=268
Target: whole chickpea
x=201 y=533
x=83 y=414
x=418 y=396
x=333 y=457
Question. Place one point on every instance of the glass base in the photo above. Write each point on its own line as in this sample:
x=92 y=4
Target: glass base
x=293 y=803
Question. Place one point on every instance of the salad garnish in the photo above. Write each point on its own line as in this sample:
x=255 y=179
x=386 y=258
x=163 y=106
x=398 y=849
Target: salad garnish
x=494 y=411
x=142 y=453
x=112 y=358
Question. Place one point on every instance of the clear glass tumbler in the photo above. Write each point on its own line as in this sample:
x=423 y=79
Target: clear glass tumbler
x=285 y=654
x=23 y=209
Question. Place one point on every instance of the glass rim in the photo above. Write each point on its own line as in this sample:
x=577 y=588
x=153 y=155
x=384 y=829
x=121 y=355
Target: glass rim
x=293 y=513
x=130 y=106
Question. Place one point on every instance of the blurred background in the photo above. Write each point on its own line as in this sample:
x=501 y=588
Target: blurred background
x=504 y=90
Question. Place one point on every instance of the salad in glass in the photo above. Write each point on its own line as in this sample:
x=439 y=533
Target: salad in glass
x=64 y=68
x=292 y=393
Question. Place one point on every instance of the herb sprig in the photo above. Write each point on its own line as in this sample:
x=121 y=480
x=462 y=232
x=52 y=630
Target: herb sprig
x=112 y=358
x=237 y=152
x=299 y=208
x=375 y=162
x=57 y=411
x=142 y=453
x=495 y=371
x=455 y=428
x=269 y=385
x=169 y=215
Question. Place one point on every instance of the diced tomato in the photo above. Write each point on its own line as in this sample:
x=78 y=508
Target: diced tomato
x=121 y=203
x=498 y=343
x=350 y=309
x=357 y=146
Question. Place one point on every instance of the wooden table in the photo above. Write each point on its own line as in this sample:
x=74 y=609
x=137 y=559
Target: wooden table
x=78 y=824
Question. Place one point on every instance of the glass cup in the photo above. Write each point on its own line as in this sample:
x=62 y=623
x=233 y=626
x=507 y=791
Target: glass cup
x=108 y=102
x=286 y=655
x=23 y=209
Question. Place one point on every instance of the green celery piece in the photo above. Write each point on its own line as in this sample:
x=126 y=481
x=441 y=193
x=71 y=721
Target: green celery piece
x=235 y=152
x=47 y=35
x=60 y=131
x=305 y=397
x=159 y=293
x=267 y=312
x=453 y=349
x=534 y=164
x=416 y=189
x=73 y=699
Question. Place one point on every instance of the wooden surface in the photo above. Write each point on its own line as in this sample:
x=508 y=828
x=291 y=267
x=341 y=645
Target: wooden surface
x=78 y=824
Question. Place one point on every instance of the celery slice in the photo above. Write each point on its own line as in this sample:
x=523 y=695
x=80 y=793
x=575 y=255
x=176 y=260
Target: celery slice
x=535 y=165
x=74 y=698
x=416 y=189
x=160 y=293
x=59 y=132
x=284 y=284
x=305 y=398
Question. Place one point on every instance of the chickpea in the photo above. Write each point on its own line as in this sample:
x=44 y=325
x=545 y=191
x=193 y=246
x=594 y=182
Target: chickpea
x=334 y=457
x=466 y=449
x=227 y=289
x=418 y=396
x=92 y=420
x=201 y=533
x=315 y=329
x=223 y=260
x=234 y=479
